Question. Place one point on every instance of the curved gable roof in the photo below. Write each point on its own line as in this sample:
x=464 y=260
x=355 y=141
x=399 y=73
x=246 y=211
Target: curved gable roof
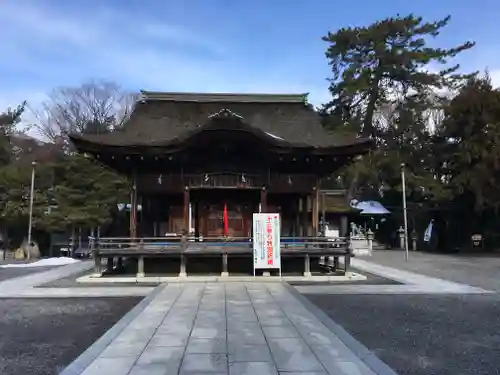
x=165 y=118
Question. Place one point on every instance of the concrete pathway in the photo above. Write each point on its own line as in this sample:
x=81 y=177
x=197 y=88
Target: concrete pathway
x=413 y=283
x=26 y=286
x=224 y=328
x=125 y=291
x=37 y=278
x=479 y=269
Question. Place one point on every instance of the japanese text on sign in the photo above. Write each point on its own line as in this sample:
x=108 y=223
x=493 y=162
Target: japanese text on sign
x=266 y=240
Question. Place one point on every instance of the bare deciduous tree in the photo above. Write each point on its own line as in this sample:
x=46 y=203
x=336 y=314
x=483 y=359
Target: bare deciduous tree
x=93 y=107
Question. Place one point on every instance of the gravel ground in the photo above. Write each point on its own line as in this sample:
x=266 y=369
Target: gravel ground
x=10 y=273
x=423 y=335
x=42 y=336
x=480 y=270
x=371 y=279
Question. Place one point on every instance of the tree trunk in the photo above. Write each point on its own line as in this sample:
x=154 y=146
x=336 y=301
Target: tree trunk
x=370 y=109
x=4 y=241
x=79 y=237
x=72 y=242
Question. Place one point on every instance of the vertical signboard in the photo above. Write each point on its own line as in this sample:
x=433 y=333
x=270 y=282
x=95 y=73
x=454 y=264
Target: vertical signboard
x=266 y=241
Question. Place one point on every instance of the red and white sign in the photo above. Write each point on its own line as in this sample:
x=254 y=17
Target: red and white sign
x=266 y=241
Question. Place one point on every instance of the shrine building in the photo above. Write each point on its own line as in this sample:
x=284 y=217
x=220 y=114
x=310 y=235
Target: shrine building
x=193 y=159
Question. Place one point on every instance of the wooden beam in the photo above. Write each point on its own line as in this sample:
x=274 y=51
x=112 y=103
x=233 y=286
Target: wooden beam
x=298 y=228
x=304 y=215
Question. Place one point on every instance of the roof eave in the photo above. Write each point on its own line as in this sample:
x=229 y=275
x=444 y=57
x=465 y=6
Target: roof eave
x=359 y=147
x=223 y=97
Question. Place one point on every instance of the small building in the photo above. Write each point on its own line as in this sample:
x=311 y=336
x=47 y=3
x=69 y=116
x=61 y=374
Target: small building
x=335 y=210
x=191 y=157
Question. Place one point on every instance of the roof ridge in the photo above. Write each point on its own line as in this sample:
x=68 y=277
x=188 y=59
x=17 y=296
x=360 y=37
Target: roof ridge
x=223 y=97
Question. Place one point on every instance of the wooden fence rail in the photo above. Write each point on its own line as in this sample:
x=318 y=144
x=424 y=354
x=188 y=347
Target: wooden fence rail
x=183 y=246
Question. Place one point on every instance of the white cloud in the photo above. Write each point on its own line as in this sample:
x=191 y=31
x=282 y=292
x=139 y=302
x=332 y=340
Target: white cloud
x=495 y=77
x=50 y=47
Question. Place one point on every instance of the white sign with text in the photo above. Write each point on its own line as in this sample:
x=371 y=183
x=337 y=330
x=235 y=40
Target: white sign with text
x=266 y=241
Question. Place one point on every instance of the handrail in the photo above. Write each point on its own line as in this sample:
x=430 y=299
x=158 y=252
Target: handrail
x=184 y=242
x=161 y=246
x=219 y=238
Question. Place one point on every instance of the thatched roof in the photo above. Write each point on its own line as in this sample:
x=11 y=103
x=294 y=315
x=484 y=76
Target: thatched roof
x=160 y=119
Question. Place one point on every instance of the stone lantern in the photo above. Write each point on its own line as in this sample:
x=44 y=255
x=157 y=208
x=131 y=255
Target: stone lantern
x=369 y=237
x=401 y=233
x=414 y=238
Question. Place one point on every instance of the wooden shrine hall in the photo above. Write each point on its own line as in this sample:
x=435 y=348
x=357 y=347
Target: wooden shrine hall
x=200 y=165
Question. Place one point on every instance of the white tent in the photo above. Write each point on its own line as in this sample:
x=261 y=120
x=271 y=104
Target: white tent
x=370 y=207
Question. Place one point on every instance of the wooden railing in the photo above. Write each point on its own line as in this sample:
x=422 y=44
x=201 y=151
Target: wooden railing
x=184 y=246
x=220 y=244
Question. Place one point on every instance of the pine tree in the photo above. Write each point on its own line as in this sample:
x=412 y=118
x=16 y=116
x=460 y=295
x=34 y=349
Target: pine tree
x=83 y=195
x=8 y=121
x=471 y=133
x=374 y=65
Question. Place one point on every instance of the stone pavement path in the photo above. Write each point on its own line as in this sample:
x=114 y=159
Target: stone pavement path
x=226 y=328
x=26 y=286
x=480 y=269
x=412 y=283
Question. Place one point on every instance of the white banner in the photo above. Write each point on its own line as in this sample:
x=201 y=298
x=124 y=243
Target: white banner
x=266 y=241
x=428 y=232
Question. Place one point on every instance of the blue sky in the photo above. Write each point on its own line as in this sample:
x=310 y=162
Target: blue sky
x=206 y=45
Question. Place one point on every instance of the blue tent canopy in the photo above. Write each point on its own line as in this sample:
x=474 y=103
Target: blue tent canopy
x=370 y=207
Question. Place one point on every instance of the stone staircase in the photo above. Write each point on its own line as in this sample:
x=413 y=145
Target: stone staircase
x=361 y=247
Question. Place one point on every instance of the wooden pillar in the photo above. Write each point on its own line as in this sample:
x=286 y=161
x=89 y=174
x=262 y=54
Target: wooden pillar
x=307 y=266
x=263 y=199
x=119 y=264
x=97 y=264
x=297 y=230
x=133 y=207
x=109 y=264
x=299 y=218
x=315 y=211
x=344 y=232
x=186 y=209
x=140 y=266
x=182 y=271
x=95 y=254
x=183 y=247
x=224 y=265
x=247 y=221
x=303 y=212
x=323 y=208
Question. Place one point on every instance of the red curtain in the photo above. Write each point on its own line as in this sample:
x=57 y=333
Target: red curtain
x=225 y=220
